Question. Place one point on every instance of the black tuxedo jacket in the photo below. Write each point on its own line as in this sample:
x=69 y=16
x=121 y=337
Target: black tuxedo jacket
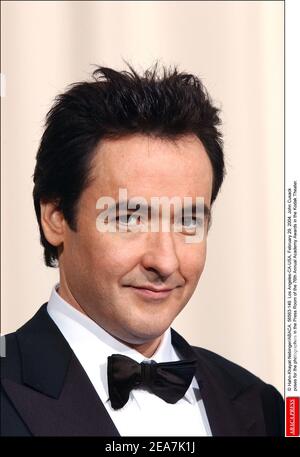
x=46 y=392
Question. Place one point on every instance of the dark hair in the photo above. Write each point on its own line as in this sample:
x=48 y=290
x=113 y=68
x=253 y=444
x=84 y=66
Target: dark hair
x=116 y=104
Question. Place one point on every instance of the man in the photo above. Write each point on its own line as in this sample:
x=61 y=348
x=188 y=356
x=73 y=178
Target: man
x=101 y=358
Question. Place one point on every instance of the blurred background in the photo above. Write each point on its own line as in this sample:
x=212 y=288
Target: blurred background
x=236 y=48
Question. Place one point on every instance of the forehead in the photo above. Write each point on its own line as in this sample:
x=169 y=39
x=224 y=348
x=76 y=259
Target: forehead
x=150 y=166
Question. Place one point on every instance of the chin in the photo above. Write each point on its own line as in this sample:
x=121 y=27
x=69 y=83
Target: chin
x=139 y=335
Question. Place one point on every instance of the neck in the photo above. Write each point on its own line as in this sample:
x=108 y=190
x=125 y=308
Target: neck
x=147 y=349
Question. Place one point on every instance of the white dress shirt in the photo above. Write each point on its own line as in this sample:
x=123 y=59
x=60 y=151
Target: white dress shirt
x=144 y=414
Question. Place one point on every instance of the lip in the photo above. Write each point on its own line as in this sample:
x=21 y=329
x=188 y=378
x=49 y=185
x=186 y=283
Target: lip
x=152 y=293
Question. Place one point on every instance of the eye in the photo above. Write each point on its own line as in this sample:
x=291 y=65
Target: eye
x=191 y=224
x=133 y=219
x=129 y=219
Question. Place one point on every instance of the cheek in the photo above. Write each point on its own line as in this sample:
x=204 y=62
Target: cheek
x=193 y=261
x=109 y=256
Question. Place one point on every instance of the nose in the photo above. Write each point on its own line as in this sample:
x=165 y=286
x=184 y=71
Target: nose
x=160 y=254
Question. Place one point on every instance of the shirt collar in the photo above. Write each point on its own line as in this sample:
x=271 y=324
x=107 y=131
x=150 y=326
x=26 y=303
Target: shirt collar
x=96 y=344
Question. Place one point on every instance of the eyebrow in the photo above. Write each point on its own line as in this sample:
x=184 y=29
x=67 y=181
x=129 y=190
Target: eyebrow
x=145 y=208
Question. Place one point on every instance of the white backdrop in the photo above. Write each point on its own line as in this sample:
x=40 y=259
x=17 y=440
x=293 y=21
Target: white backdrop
x=237 y=50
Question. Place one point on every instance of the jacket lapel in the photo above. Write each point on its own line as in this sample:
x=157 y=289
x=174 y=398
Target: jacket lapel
x=56 y=397
x=228 y=402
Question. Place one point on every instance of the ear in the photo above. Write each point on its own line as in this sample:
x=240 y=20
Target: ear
x=53 y=223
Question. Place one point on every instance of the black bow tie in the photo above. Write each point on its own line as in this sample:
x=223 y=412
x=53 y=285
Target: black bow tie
x=168 y=381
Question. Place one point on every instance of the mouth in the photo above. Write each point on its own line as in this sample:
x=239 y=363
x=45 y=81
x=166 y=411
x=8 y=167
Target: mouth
x=156 y=294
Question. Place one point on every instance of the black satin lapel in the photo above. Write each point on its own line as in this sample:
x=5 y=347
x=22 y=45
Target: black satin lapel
x=229 y=416
x=230 y=411
x=45 y=354
x=77 y=412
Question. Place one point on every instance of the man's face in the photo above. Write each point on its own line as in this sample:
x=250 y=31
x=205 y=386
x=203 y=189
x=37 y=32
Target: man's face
x=103 y=271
